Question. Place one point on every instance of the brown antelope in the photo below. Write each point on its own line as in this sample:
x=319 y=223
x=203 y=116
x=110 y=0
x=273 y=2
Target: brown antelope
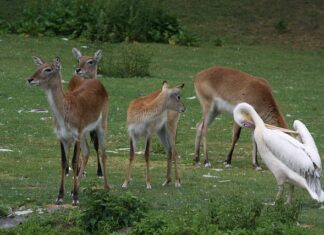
x=86 y=69
x=148 y=114
x=75 y=113
x=220 y=89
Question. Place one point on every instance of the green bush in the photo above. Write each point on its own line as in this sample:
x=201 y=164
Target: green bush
x=237 y=215
x=127 y=60
x=107 y=212
x=99 y=20
x=150 y=225
x=281 y=213
x=232 y=212
x=4 y=210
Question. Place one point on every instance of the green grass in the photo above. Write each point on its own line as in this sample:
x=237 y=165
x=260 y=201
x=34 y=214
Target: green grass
x=29 y=176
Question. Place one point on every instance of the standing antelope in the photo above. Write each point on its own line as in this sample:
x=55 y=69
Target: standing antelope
x=152 y=113
x=220 y=89
x=86 y=69
x=75 y=113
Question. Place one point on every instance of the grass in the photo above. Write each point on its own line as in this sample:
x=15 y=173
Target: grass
x=29 y=176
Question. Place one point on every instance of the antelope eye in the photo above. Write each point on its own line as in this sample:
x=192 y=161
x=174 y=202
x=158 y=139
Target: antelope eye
x=90 y=62
x=47 y=70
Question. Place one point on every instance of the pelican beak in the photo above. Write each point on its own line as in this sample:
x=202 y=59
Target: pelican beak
x=280 y=129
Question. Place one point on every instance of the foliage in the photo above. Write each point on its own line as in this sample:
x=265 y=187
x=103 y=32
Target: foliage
x=248 y=216
x=150 y=225
x=4 y=210
x=99 y=20
x=184 y=38
x=105 y=211
x=128 y=60
x=281 y=213
x=230 y=213
x=281 y=27
x=30 y=228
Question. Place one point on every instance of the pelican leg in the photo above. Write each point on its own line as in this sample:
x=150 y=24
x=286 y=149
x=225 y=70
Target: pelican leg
x=290 y=194
x=280 y=191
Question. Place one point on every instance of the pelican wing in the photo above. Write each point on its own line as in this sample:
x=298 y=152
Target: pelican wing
x=294 y=155
x=289 y=151
x=309 y=143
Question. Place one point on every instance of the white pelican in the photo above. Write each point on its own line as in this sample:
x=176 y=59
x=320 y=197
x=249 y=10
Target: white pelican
x=290 y=161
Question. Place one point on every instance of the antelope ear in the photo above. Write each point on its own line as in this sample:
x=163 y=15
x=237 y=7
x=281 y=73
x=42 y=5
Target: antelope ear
x=57 y=63
x=97 y=56
x=77 y=54
x=38 y=61
x=165 y=85
x=180 y=86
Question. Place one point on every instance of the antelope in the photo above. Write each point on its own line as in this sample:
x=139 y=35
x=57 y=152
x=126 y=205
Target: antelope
x=86 y=69
x=152 y=113
x=220 y=89
x=75 y=113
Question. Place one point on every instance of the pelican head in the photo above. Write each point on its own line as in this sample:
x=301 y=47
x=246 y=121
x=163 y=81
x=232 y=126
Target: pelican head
x=242 y=115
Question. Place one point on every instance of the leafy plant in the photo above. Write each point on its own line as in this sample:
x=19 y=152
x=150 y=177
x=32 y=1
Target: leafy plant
x=150 y=225
x=281 y=213
x=129 y=60
x=99 y=20
x=106 y=211
x=232 y=212
x=281 y=27
x=4 y=210
x=184 y=38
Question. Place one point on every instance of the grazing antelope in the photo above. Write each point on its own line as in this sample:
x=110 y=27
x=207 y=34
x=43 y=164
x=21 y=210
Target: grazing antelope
x=75 y=113
x=220 y=89
x=86 y=69
x=152 y=113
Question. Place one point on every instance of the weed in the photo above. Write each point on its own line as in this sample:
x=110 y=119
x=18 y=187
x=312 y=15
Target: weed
x=109 y=21
x=129 y=60
x=281 y=27
x=105 y=211
x=4 y=210
x=150 y=225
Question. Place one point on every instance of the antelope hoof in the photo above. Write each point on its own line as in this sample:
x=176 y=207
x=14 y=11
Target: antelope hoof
x=107 y=187
x=207 y=164
x=99 y=173
x=59 y=201
x=258 y=168
x=125 y=184
x=197 y=164
x=148 y=186
x=166 y=182
x=177 y=184
x=228 y=165
x=75 y=202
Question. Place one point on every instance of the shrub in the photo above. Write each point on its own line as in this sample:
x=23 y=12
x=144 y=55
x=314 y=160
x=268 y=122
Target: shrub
x=4 y=210
x=127 y=60
x=234 y=213
x=107 y=212
x=99 y=20
x=151 y=225
x=281 y=213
